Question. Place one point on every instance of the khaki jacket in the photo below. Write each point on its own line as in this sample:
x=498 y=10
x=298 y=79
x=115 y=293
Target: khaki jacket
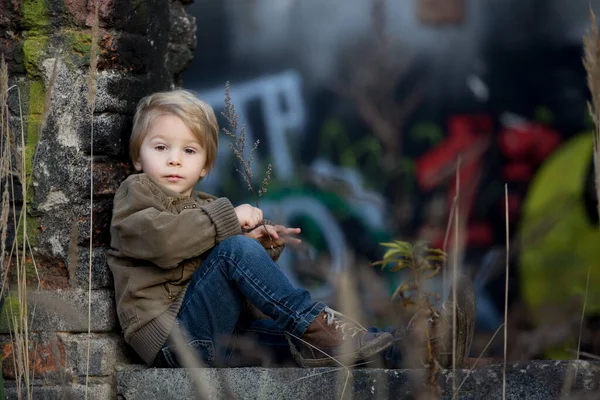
x=158 y=239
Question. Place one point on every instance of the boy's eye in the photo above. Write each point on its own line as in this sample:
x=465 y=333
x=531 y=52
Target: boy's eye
x=190 y=151
x=160 y=147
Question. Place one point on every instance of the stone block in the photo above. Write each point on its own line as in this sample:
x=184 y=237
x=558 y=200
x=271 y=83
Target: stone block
x=10 y=15
x=67 y=310
x=119 y=92
x=101 y=275
x=12 y=48
x=134 y=16
x=111 y=135
x=179 y=58
x=534 y=380
x=106 y=352
x=44 y=391
x=182 y=25
x=102 y=214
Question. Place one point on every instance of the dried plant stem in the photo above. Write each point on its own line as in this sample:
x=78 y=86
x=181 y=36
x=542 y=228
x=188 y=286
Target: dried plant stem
x=571 y=377
x=587 y=287
x=22 y=277
x=505 y=291
x=454 y=272
x=92 y=104
x=455 y=394
x=346 y=368
x=446 y=237
x=238 y=146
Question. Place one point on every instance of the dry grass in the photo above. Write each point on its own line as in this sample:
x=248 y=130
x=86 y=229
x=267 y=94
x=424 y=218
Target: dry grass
x=505 y=291
x=93 y=71
x=16 y=260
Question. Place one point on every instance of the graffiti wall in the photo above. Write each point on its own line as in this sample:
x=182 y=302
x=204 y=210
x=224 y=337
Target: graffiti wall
x=366 y=114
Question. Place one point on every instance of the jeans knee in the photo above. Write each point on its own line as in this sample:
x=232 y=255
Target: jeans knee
x=239 y=243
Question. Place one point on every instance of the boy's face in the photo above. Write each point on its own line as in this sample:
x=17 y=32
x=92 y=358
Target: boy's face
x=172 y=155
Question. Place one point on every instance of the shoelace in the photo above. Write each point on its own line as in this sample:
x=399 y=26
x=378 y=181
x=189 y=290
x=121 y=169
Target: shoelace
x=337 y=319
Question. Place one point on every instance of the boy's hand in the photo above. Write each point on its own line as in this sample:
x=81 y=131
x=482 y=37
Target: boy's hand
x=280 y=235
x=248 y=216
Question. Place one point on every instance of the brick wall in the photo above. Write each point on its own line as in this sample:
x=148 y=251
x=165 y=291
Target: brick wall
x=143 y=47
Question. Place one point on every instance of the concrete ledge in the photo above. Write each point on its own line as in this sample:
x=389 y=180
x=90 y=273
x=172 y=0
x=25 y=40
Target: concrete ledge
x=531 y=380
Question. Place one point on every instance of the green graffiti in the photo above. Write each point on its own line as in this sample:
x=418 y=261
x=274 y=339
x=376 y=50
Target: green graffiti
x=544 y=115
x=426 y=132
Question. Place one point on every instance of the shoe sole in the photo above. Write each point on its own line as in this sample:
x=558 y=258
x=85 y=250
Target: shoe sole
x=383 y=342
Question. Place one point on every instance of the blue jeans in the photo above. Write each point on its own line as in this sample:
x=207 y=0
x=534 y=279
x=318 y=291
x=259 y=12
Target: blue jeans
x=212 y=314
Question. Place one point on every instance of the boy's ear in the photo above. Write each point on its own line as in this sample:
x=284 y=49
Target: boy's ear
x=137 y=165
x=203 y=172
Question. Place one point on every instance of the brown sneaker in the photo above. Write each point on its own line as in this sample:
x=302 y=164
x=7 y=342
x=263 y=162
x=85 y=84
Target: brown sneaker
x=333 y=339
x=440 y=324
x=466 y=308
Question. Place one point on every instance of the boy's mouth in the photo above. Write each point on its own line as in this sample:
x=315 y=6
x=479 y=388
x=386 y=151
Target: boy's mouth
x=174 y=178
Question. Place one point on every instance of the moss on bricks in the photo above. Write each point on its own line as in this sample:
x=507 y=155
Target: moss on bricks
x=10 y=308
x=32 y=232
x=35 y=15
x=33 y=47
x=80 y=44
x=36 y=104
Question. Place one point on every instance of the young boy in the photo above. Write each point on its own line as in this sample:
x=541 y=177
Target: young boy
x=180 y=258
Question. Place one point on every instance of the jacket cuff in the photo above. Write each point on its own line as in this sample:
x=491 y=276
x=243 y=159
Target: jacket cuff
x=223 y=215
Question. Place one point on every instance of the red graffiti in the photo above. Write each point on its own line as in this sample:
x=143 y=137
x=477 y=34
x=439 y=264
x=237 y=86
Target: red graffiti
x=524 y=147
x=468 y=138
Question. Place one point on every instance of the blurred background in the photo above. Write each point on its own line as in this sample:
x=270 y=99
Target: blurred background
x=365 y=108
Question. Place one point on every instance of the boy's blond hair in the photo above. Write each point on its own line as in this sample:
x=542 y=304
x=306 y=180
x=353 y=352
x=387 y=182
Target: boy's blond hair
x=196 y=114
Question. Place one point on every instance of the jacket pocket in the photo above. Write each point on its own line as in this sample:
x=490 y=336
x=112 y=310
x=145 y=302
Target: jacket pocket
x=172 y=292
x=203 y=349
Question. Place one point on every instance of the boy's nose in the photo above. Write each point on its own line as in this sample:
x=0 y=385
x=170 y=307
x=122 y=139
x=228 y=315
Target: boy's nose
x=174 y=161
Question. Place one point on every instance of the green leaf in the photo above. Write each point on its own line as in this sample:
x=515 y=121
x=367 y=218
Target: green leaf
x=435 y=258
x=399 y=265
x=391 y=252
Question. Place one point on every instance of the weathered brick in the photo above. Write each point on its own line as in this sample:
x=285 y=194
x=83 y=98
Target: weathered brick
x=77 y=10
x=67 y=310
x=46 y=356
x=108 y=177
x=52 y=272
x=123 y=52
